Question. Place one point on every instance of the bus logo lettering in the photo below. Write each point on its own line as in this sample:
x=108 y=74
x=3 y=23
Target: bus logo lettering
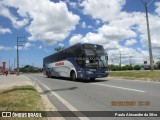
x=59 y=64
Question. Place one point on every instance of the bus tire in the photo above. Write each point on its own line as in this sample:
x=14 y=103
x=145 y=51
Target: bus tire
x=49 y=75
x=92 y=79
x=73 y=75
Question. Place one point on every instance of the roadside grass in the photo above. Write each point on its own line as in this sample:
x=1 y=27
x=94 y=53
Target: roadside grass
x=20 y=98
x=144 y=75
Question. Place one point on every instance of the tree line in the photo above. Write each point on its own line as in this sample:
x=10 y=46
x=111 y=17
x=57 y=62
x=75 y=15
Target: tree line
x=130 y=67
x=126 y=67
x=30 y=69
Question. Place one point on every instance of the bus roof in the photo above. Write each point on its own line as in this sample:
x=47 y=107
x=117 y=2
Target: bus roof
x=72 y=46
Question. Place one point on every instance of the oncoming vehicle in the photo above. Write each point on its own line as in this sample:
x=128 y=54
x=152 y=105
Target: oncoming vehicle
x=80 y=61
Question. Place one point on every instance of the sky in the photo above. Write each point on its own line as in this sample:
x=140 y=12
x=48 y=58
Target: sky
x=118 y=25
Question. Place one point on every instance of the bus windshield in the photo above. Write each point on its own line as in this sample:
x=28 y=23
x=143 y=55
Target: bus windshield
x=95 y=57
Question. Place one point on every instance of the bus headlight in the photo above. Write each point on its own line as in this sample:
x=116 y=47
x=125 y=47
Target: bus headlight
x=89 y=72
x=106 y=72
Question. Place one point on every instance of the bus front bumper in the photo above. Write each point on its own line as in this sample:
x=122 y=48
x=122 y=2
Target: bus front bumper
x=87 y=74
x=97 y=75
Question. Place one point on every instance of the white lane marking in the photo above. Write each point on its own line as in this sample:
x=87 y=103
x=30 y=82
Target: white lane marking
x=133 y=80
x=32 y=78
x=67 y=104
x=146 y=81
x=119 y=87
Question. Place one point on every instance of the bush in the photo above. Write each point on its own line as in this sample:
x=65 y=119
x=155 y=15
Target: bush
x=137 y=67
x=118 y=68
x=114 y=67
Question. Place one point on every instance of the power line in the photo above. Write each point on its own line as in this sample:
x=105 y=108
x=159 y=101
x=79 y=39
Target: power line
x=145 y=2
x=149 y=3
x=142 y=2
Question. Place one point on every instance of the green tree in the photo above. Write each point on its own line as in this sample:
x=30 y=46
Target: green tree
x=123 y=68
x=59 y=48
x=126 y=67
x=137 y=67
x=115 y=68
x=130 y=67
x=29 y=68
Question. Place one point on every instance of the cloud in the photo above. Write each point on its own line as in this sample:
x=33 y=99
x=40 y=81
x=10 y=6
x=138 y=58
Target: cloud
x=61 y=45
x=154 y=32
x=24 y=46
x=104 y=35
x=105 y=10
x=157 y=4
x=119 y=31
x=137 y=57
x=27 y=45
x=83 y=25
x=119 y=27
x=73 y=4
x=116 y=33
x=89 y=26
x=4 y=11
x=130 y=42
x=98 y=22
x=122 y=26
x=50 y=22
x=40 y=47
x=94 y=38
x=5 y=48
x=76 y=39
x=122 y=21
x=5 y=30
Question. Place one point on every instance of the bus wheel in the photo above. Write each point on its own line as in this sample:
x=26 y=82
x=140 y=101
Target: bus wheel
x=73 y=76
x=49 y=75
x=92 y=79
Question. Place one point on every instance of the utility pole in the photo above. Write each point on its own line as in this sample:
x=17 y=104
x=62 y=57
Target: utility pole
x=149 y=38
x=130 y=60
x=19 y=43
x=9 y=66
x=14 y=63
x=17 y=58
x=120 y=59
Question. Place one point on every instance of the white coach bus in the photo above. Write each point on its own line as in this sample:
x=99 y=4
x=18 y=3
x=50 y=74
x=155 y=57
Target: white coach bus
x=80 y=61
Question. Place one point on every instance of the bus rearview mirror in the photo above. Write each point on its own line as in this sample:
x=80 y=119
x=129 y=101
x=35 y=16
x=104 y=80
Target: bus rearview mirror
x=106 y=56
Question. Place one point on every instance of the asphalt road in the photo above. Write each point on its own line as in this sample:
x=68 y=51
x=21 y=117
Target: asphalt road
x=101 y=95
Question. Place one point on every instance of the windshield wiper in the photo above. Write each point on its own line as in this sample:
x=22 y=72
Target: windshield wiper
x=102 y=62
